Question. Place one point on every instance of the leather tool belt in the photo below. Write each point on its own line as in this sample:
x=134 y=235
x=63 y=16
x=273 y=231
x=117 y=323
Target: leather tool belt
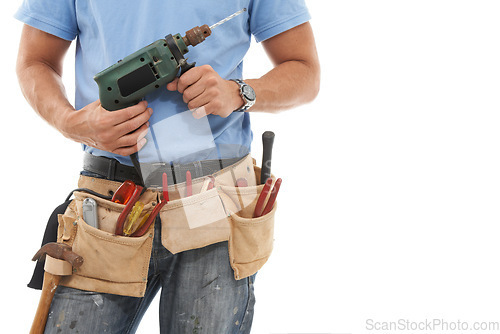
x=119 y=264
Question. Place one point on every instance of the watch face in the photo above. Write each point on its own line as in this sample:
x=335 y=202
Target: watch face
x=248 y=92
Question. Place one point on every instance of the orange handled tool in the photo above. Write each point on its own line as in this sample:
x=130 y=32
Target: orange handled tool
x=124 y=192
x=141 y=230
x=128 y=207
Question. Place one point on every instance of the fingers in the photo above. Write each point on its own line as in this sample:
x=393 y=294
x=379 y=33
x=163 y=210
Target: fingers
x=134 y=123
x=192 y=92
x=123 y=115
x=132 y=142
x=121 y=131
x=193 y=76
x=172 y=86
x=203 y=87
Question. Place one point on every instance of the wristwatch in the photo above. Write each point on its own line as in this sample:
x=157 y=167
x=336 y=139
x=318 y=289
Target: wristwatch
x=247 y=94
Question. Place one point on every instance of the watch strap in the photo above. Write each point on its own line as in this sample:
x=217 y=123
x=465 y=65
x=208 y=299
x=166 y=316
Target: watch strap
x=248 y=103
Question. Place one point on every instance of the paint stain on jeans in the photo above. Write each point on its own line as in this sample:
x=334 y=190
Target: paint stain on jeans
x=98 y=300
x=196 y=321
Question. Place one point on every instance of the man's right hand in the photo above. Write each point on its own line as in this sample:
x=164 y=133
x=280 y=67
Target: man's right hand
x=121 y=131
x=39 y=69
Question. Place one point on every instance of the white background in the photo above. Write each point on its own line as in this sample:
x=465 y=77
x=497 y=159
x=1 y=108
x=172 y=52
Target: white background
x=389 y=207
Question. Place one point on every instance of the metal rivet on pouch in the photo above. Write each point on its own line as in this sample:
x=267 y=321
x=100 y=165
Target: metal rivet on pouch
x=150 y=235
x=74 y=223
x=144 y=279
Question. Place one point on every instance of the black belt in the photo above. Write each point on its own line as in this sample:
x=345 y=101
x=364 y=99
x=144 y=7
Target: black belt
x=111 y=169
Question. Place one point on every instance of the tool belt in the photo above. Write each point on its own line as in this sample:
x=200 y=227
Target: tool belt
x=119 y=264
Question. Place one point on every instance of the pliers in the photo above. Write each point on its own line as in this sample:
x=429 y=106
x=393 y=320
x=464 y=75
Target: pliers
x=260 y=210
x=131 y=203
x=143 y=229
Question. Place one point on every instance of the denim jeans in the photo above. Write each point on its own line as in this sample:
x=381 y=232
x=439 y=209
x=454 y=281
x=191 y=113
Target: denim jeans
x=198 y=295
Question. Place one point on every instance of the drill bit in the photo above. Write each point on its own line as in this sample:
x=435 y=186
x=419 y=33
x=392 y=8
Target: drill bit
x=227 y=18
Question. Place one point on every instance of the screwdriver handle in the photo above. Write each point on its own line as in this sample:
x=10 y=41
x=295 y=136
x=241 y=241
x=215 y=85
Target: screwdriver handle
x=267 y=152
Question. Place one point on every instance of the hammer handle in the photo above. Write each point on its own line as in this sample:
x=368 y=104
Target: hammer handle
x=267 y=151
x=50 y=283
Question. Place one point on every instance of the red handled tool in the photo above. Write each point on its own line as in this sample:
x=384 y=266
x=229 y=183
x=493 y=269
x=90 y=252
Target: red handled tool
x=211 y=184
x=242 y=182
x=143 y=229
x=272 y=197
x=260 y=210
x=128 y=207
x=189 y=184
x=259 y=207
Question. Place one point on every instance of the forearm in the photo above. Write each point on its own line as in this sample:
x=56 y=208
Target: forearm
x=43 y=89
x=120 y=132
x=288 y=85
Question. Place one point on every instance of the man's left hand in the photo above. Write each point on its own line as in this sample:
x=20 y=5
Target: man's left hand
x=205 y=92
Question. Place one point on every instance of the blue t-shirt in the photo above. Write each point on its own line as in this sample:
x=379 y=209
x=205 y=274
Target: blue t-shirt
x=107 y=31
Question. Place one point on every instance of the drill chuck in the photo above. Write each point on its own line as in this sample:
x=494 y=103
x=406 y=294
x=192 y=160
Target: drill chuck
x=197 y=35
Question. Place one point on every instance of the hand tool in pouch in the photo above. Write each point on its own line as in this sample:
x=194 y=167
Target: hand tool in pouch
x=267 y=152
x=272 y=197
x=189 y=184
x=57 y=251
x=89 y=212
x=260 y=210
x=127 y=82
x=259 y=207
x=128 y=208
x=149 y=219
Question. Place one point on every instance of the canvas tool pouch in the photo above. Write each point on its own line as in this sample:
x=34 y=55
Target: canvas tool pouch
x=112 y=264
x=251 y=239
x=119 y=264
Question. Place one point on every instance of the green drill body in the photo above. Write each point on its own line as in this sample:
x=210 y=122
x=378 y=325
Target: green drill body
x=126 y=83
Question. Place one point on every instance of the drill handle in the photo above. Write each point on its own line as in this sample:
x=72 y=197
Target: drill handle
x=185 y=66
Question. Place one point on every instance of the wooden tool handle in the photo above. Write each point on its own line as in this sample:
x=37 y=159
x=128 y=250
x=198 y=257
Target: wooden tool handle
x=50 y=283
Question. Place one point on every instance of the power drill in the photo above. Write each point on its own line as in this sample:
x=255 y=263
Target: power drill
x=125 y=83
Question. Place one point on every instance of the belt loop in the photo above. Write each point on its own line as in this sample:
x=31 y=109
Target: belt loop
x=198 y=169
x=111 y=169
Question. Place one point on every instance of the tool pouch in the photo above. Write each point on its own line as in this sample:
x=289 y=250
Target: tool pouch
x=119 y=265
x=251 y=239
x=195 y=221
x=221 y=214
x=112 y=264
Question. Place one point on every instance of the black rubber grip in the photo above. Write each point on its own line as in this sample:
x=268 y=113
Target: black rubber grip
x=267 y=152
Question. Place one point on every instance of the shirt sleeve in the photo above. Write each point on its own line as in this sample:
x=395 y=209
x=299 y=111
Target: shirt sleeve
x=270 y=18
x=56 y=17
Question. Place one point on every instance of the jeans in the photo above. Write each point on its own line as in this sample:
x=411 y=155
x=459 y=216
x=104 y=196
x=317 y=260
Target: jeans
x=198 y=295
